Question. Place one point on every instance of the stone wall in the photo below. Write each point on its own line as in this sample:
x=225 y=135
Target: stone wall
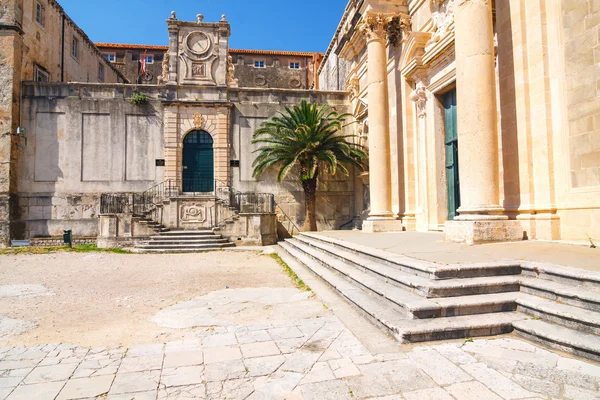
x=335 y=197
x=275 y=74
x=83 y=140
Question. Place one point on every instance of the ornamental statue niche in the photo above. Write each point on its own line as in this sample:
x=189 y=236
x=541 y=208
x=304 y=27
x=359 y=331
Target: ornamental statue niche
x=200 y=49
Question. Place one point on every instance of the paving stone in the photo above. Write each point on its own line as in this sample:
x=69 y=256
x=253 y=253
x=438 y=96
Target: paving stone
x=86 y=387
x=260 y=349
x=220 y=340
x=428 y=394
x=47 y=390
x=260 y=366
x=30 y=354
x=6 y=365
x=253 y=337
x=330 y=354
x=329 y=390
x=149 y=395
x=300 y=361
x=584 y=368
x=556 y=375
x=454 y=353
x=135 y=382
x=145 y=350
x=229 y=390
x=438 y=367
x=223 y=371
x=287 y=346
x=13 y=377
x=471 y=391
x=188 y=344
x=4 y=392
x=221 y=354
x=497 y=382
x=51 y=373
x=182 y=392
x=99 y=367
x=183 y=358
x=493 y=349
x=537 y=385
x=499 y=364
x=278 y=384
x=141 y=363
x=286 y=333
x=320 y=372
x=347 y=345
x=344 y=367
x=360 y=360
x=390 y=357
x=571 y=392
x=182 y=376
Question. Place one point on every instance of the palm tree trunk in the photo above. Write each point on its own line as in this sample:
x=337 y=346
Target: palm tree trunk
x=310 y=199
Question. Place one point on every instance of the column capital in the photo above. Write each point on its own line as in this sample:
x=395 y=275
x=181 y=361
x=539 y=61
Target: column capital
x=385 y=26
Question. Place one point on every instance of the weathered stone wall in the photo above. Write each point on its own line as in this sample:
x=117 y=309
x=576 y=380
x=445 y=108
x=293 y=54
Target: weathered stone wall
x=128 y=62
x=42 y=47
x=275 y=74
x=83 y=140
x=335 y=197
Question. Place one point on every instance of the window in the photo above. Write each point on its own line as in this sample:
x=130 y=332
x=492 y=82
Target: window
x=259 y=64
x=110 y=57
x=75 y=48
x=40 y=13
x=100 y=73
x=294 y=65
x=149 y=59
x=40 y=75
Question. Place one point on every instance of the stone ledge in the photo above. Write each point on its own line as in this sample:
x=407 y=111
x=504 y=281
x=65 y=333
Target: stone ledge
x=473 y=232
x=383 y=225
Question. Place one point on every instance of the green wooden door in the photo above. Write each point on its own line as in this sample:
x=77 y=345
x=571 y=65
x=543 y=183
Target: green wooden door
x=198 y=163
x=452 y=154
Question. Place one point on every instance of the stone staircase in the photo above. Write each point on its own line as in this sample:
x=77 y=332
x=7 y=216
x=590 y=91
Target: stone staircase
x=421 y=301
x=184 y=241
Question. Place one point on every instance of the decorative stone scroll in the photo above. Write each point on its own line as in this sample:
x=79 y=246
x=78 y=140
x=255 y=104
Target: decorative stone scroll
x=199 y=121
x=353 y=86
x=442 y=14
x=419 y=96
x=193 y=213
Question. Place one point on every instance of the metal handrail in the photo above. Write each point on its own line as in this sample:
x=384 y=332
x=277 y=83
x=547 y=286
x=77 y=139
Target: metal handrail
x=289 y=221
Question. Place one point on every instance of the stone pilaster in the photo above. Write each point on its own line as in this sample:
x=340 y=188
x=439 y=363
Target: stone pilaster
x=381 y=217
x=481 y=217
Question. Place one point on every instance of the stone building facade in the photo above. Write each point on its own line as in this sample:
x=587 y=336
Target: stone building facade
x=127 y=59
x=38 y=42
x=486 y=124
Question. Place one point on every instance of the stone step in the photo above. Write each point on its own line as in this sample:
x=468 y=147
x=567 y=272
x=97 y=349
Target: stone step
x=562 y=314
x=184 y=246
x=190 y=242
x=397 y=320
x=184 y=250
x=190 y=232
x=409 y=265
x=162 y=238
x=562 y=292
x=559 y=337
x=421 y=286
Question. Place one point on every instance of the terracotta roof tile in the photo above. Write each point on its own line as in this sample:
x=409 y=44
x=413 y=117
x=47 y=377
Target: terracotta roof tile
x=233 y=51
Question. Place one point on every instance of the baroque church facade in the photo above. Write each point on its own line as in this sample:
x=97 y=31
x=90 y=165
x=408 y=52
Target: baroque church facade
x=481 y=120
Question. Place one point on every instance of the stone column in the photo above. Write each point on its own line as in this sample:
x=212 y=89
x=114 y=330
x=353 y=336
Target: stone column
x=381 y=218
x=481 y=218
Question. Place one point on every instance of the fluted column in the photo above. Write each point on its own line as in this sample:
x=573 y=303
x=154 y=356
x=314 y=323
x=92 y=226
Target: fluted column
x=374 y=26
x=477 y=110
x=480 y=217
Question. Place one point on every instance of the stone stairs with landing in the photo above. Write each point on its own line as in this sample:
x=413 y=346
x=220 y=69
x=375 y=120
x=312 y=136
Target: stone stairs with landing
x=184 y=241
x=421 y=301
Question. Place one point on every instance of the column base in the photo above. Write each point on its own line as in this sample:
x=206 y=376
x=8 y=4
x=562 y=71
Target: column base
x=485 y=231
x=382 y=225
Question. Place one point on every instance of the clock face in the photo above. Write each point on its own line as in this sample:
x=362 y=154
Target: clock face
x=198 y=43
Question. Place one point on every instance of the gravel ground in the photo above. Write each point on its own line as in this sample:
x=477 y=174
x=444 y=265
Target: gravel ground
x=105 y=299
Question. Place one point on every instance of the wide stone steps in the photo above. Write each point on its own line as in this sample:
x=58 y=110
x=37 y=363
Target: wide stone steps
x=420 y=306
x=184 y=242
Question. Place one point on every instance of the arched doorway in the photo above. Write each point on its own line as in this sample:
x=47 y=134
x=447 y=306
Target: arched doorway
x=198 y=163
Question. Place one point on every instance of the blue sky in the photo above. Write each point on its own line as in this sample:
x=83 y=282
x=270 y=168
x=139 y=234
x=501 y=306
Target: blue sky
x=305 y=25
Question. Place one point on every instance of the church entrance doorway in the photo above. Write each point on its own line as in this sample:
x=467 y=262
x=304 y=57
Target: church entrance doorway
x=198 y=163
x=452 y=175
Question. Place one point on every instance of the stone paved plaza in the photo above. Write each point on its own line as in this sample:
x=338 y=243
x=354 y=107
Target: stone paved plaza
x=310 y=358
x=248 y=342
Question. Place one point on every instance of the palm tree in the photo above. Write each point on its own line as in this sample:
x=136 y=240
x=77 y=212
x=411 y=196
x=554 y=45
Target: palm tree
x=306 y=136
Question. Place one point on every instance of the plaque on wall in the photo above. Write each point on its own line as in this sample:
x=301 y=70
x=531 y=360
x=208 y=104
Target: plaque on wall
x=160 y=163
x=234 y=163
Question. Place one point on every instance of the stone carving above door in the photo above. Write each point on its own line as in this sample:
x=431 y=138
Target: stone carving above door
x=442 y=14
x=193 y=213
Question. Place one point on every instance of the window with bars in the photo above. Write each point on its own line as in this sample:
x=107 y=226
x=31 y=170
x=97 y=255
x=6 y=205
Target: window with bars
x=100 y=73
